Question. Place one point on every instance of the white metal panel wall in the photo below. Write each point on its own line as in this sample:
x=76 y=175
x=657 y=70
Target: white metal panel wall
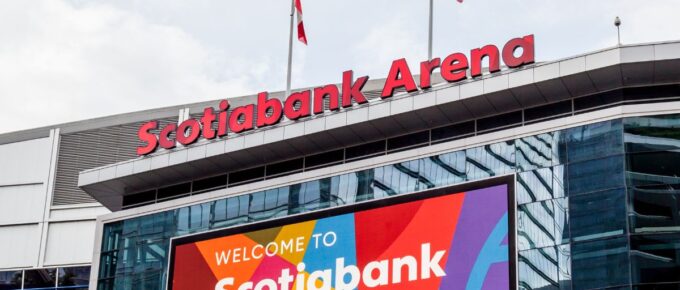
x=69 y=243
x=25 y=162
x=19 y=245
x=21 y=204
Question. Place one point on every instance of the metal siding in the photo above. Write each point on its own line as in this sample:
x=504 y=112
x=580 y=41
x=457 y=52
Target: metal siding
x=90 y=149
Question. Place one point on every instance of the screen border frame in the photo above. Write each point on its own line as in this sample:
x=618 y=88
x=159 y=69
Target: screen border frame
x=507 y=180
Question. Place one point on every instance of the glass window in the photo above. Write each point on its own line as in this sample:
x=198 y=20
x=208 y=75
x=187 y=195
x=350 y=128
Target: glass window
x=10 y=280
x=534 y=152
x=655 y=209
x=454 y=131
x=193 y=218
x=653 y=168
x=538 y=185
x=598 y=214
x=42 y=278
x=490 y=160
x=345 y=188
x=366 y=150
x=593 y=175
x=655 y=258
x=288 y=166
x=594 y=140
x=408 y=141
x=562 y=230
x=444 y=169
x=365 y=179
x=209 y=183
x=564 y=266
x=325 y=158
x=535 y=225
x=74 y=276
x=600 y=264
x=653 y=133
x=538 y=269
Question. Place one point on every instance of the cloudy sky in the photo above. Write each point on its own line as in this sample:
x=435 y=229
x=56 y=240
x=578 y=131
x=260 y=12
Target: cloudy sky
x=68 y=60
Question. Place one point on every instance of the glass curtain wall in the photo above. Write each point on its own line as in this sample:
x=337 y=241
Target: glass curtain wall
x=597 y=207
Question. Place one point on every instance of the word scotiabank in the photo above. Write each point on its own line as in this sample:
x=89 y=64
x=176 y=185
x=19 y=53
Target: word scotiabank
x=225 y=119
x=453 y=241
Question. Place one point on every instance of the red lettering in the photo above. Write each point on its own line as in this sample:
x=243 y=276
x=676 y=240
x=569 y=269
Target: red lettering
x=194 y=129
x=426 y=68
x=319 y=93
x=352 y=90
x=399 y=77
x=246 y=112
x=164 y=137
x=222 y=118
x=268 y=110
x=478 y=54
x=454 y=67
x=527 y=57
x=301 y=98
x=207 y=122
x=147 y=137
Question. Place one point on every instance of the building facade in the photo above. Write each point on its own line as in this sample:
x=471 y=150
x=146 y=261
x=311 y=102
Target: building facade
x=590 y=144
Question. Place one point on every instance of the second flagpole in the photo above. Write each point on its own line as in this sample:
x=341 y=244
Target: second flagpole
x=290 y=48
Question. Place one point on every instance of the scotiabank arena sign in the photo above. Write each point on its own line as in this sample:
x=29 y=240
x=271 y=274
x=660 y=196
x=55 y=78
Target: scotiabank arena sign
x=269 y=111
x=426 y=241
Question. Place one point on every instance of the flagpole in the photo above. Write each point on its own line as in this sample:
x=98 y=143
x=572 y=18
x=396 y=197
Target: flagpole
x=429 y=40
x=290 y=47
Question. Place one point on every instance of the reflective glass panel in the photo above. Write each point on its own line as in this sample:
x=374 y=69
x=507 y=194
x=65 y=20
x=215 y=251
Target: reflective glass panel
x=10 y=280
x=598 y=214
x=74 y=276
x=600 y=264
x=597 y=174
x=653 y=133
x=444 y=169
x=534 y=152
x=538 y=269
x=535 y=225
x=540 y=184
x=490 y=160
x=655 y=209
x=41 y=278
x=655 y=258
x=594 y=140
x=653 y=168
x=564 y=269
x=562 y=230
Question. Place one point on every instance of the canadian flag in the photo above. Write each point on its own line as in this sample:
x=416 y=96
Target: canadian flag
x=302 y=37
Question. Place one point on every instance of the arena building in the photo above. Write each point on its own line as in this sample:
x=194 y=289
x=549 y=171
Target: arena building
x=521 y=175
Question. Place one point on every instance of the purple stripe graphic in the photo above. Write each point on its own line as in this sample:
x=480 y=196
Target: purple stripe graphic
x=482 y=210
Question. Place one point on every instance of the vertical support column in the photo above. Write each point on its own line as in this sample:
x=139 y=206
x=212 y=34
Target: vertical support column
x=49 y=194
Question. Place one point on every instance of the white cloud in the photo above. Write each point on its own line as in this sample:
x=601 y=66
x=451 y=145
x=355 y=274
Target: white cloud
x=66 y=60
x=61 y=63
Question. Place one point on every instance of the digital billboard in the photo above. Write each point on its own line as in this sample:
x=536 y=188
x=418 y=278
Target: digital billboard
x=446 y=239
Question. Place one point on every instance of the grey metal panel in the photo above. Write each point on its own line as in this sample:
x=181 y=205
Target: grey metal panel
x=91 y=149
x=606 y=78
x=528 y=95
x=553 y=90
x=579 y=84
x=637 y=73
x=667 y=71
x=503 y=101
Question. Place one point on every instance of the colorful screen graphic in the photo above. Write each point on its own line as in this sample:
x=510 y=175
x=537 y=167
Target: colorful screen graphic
x=443 y=241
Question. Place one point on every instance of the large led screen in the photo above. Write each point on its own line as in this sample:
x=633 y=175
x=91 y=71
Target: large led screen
x=437 y=240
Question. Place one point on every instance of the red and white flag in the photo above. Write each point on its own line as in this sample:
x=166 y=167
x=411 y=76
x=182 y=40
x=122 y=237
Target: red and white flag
x=302 y=37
